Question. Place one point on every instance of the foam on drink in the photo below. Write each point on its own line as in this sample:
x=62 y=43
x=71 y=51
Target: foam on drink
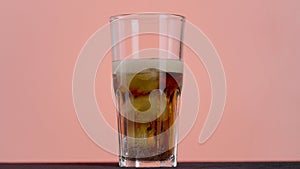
x=137 y=65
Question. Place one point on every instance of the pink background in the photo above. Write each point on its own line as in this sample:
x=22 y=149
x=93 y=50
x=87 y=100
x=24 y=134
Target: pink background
x=258 y=42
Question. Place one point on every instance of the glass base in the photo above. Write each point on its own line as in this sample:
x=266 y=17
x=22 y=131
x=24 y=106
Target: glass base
x=171 y=162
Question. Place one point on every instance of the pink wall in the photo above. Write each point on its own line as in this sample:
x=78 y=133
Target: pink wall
x=258 y=42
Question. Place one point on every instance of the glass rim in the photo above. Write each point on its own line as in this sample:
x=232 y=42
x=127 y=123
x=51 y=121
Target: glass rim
x=146 y=14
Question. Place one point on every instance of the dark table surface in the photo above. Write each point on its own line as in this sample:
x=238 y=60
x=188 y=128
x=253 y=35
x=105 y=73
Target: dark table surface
x=181 y=165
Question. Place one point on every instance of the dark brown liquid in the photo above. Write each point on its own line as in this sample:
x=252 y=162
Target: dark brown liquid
x=137 y=88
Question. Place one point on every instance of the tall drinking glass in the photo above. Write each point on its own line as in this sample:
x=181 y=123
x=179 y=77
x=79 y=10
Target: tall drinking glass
x=147 y=80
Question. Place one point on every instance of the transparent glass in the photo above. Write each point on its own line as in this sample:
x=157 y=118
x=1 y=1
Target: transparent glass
x=147 y=79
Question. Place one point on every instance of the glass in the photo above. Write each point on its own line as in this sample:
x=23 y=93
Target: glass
x=147 y=80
